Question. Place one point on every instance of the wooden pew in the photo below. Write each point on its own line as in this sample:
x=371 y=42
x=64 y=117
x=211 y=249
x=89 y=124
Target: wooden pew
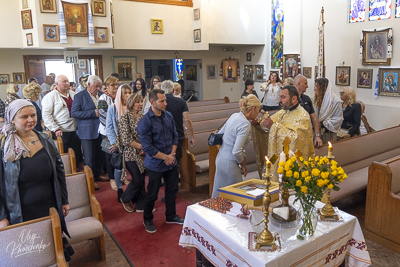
x=209 y=115
x=85 y=218
x=33 y=243
x=208 y=102
x=205 y=125
x=356 y=154
x=69 y=161
x=215 y=107
x=382 y=217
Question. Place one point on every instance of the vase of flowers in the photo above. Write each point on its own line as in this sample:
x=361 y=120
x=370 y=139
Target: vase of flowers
x=309 y=179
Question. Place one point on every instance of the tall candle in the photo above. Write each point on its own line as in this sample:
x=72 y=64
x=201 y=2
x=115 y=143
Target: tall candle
x=267 y=166
x=330 y=148
x=282 y=157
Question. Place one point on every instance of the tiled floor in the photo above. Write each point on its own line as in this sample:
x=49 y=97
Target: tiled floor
x=355 y=205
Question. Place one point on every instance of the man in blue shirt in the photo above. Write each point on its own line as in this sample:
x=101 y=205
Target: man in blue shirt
x=159 y=139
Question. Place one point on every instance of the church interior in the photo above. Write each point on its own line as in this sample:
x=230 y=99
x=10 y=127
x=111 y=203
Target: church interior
x=254 y=38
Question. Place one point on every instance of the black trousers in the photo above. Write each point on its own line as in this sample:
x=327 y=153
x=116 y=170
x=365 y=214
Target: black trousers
x=71 y=140
x=135 y=191
x=171 y=189
x=178 y=155
x=92 y=155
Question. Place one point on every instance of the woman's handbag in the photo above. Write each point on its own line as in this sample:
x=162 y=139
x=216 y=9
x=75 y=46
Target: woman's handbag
x=215 y=138
x=116 y=160
x=105 y=145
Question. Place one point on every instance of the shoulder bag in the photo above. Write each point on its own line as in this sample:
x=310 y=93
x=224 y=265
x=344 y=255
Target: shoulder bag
x=215 y=138
x=116 y=160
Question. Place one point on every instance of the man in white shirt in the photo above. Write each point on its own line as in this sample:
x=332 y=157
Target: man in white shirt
x=56 y=113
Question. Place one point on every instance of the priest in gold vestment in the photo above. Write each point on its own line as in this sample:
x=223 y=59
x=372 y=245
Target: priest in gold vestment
x=291 y=121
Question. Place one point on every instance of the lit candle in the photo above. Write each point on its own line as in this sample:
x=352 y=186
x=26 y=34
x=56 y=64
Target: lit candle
x=282 y=157
x=330 y=150
x=267 y=166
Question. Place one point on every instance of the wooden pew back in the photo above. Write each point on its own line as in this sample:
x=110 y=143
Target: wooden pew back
x=209 y=115
x=383 y=203
x=33 y=243
x=197 y=109
x=208 y=102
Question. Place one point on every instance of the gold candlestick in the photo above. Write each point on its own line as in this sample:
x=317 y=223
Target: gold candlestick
x=285 y=194
x=327 y=210
x=265 y=238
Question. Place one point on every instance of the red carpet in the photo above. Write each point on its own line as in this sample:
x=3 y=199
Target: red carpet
x=142 y=248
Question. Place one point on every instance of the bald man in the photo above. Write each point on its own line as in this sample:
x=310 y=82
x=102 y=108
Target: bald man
x=301 y=84
x=56 y=113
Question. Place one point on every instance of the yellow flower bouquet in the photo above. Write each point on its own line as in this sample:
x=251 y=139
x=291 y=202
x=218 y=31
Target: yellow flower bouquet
x=309 y=179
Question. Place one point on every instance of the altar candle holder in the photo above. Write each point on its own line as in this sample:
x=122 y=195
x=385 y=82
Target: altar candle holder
x=265 y=238
x=327 y=211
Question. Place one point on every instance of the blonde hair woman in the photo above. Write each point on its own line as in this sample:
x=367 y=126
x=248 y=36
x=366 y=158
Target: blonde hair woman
x=351 y=114
x=237 y=134
x=31 y=92
x=177 y=90
x=12 y=89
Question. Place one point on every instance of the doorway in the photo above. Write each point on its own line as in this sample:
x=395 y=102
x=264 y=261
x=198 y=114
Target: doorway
x=39 y=66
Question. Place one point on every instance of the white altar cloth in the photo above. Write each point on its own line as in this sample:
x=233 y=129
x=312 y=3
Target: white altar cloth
x=223 y=240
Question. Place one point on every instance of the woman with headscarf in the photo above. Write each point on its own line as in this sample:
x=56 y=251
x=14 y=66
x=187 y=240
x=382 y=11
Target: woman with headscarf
x=32 y=174
x=328 y=108
x=114 y=113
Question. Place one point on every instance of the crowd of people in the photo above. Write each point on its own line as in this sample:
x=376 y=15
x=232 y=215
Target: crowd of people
x=296 y=116
x=144 y=125
x=87 y=117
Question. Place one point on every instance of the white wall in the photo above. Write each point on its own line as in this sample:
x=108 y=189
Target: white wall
x=221 y=22
x=341 y=45
x=10 y=19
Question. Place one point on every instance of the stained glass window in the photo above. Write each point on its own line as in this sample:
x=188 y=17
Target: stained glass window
x=379 y=9
x=357 y=11
x=178 y=69
x=276 y=34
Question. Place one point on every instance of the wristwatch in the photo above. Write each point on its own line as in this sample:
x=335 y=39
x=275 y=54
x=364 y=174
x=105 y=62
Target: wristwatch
x=317 y=135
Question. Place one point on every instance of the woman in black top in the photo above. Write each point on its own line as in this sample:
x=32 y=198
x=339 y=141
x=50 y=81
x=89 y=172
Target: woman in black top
x=351 y=113
x=249 y=88
x=31 y=172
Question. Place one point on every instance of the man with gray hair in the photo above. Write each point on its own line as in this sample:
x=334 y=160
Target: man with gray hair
x=84 y=110
x=179 y=110
x=56 y=113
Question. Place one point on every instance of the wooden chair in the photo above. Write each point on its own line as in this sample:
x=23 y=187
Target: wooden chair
x=382 y=216
x=33 y=243
x=69 y=161
x=85 y=218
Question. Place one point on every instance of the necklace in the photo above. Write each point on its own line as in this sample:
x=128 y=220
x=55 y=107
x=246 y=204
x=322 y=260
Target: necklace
x=30 y=143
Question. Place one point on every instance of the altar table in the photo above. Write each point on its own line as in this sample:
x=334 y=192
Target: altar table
x=223 y=240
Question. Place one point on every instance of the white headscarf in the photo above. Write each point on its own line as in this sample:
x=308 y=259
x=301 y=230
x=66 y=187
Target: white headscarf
x=331 y=113
x=14 y=147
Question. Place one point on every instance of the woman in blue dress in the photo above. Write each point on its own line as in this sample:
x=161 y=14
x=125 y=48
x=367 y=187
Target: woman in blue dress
x=231 y=159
